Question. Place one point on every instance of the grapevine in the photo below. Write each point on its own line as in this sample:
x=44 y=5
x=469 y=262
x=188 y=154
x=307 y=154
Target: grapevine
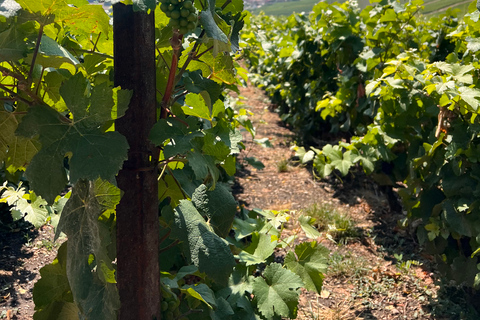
x=402 y=93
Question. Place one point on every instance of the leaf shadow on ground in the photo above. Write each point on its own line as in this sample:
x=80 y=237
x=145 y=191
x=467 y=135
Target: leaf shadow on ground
x=14 y=236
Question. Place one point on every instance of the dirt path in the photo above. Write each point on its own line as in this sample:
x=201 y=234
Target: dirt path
x=378 y=270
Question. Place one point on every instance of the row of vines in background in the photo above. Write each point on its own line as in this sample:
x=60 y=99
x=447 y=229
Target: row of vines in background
x=61 y=154
x=393 y=93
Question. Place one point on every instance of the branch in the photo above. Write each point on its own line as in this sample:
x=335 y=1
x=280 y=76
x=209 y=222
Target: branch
x=16 y=96
x=176 y=43
x=226 y=4
x=39 y=81
x=176 y=181
x=96 y=42
x=164 y=61
x=191 y=55
x=10 y=73
x=94 y=52
x=201 y=54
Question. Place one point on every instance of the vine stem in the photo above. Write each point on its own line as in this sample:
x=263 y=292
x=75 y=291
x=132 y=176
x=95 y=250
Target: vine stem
x=39 y=81
x=164 y=61
x=226 y=4
x=35 y=53
x=96 y=42
x=178 y=183
x=191 y=56
x=16 y=96
x=93 y=52
x=176 y=43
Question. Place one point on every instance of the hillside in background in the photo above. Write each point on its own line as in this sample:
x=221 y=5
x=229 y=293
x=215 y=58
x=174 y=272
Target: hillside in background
x=278 y=8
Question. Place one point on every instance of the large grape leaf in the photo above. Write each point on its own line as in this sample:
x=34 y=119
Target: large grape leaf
x=91 y=281
x=211 y=28
x=217 y=205
x=93 y=153
x=277 y=292
x=210 y=253
x=81 y=20
x=15 y=151
x=309 y=261
x=12 y=44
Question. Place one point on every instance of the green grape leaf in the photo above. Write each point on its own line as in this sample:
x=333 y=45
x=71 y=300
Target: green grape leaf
x=201 y=292
x=74 y=93
x=210 y=253
x=260 y=249
x=217 y=205
x=456 y=220
x=229 y=165
x=196 y=83
x=230 y=137
x=306 y=223
x=169 y=188
x=51 y=54
x=12 y=44
x=214 y=146
x=236 y=29
x=34 y=211
x=277 y=292
x=223 y=70
x=208 y=21
x=196 y=106
x=43 y=11
x=223 y=310
x=321 y=166
x=15 y=151
x=309 y=261
x=46 y=173
x=92 y=288
x=203 y=165
x=340 y=161
x=93 y=63
x=98 y=155
x=92 y=152
x=470 y=95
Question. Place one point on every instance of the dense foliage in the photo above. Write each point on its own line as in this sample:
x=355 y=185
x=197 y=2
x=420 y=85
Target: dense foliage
x=61 y=153
x=394 y=93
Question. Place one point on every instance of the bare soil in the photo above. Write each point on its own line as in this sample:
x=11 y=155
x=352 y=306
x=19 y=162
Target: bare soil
x=23 y=252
